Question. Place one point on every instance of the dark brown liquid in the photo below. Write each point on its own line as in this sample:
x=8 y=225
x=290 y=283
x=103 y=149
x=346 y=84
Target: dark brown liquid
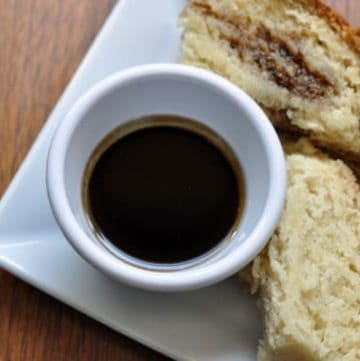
x=164 y=194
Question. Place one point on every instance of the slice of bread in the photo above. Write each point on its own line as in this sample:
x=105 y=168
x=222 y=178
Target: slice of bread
x=297 y=58
x=309 y=274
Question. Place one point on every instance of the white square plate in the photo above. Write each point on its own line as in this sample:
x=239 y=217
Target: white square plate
x=216 y=323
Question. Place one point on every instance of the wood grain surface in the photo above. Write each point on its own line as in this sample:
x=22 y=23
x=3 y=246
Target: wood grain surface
x=41 y=44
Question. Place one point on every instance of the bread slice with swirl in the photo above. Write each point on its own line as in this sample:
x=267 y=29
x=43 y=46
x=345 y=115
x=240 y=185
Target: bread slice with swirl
x=297 y=58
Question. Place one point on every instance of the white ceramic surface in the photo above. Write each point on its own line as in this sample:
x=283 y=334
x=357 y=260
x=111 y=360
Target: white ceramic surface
x=189 y=92
x=215 y=323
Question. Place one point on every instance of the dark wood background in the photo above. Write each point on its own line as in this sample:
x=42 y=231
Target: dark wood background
x=41 y=44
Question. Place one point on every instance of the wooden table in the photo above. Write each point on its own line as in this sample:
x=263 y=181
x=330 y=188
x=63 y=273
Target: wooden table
x=41 y=44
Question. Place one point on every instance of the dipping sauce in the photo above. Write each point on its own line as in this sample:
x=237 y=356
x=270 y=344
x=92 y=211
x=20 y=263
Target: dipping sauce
x=163 y=193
